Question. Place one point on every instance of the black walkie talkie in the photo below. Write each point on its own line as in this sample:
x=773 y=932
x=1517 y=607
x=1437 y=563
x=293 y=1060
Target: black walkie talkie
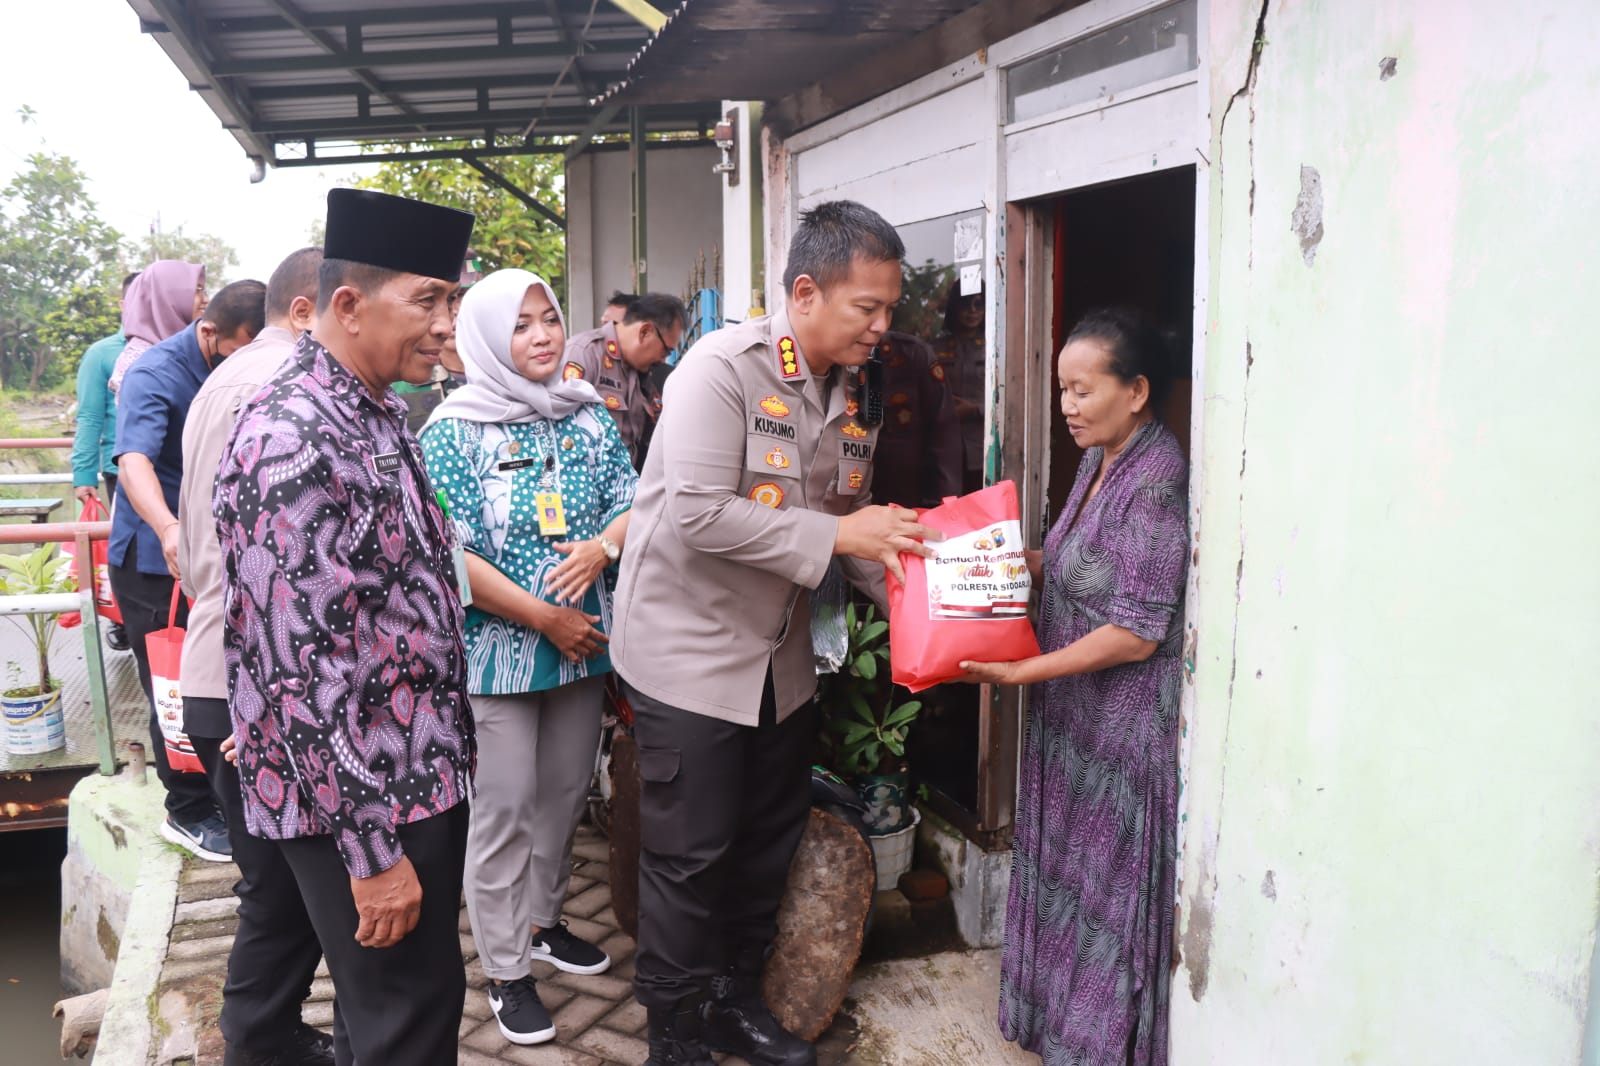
x=872 y=391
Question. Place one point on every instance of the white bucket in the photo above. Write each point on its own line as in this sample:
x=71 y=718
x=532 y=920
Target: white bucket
x=893 y=852
x=34 y=724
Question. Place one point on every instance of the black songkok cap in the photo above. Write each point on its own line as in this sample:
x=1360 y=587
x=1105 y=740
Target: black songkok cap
x=395 y=233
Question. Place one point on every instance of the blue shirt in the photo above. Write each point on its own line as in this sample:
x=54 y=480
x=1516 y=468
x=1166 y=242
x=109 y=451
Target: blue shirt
x=151 y=408
x=97 y=412
x=490 y=474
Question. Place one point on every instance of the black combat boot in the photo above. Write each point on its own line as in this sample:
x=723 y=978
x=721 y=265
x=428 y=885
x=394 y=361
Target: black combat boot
x=675 y=1035
x=737 y=1020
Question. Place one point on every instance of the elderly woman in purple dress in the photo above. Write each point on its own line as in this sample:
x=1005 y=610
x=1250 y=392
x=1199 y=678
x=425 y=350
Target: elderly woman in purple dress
x=1088 y=942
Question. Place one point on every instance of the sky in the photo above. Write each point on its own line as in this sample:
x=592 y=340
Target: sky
x=108 y=96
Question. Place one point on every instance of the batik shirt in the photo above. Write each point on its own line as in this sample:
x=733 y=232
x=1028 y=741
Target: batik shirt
x=491 y=474
x=342 y=622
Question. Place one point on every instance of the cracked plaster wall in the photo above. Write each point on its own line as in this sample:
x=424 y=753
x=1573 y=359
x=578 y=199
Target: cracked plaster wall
x=1394 y=807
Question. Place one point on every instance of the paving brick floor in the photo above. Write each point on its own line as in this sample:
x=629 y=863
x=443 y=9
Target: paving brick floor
x=597 y=1021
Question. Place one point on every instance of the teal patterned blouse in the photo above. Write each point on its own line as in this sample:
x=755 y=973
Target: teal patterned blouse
x=485 y=472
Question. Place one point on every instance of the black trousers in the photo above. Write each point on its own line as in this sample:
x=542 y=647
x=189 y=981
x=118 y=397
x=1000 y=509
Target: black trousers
x=275 y=950
x=721 y=811
x=401 y=1005
x=145 y=600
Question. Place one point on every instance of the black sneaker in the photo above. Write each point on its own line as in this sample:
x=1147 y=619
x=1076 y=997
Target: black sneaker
x=520 y=1015
x=207 y=838
x=565 y=951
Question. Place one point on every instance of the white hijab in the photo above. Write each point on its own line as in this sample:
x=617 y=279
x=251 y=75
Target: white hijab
x=496 y=391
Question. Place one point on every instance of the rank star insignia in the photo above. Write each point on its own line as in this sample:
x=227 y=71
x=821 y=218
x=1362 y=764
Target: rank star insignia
x=937 y=372
x=572 y=372
x=767 y=494
x=851 y=407
x=850 y=429
x=612 y=403
x=856 y=479
x=774 y=407
x=777 y=460
x=788 y=359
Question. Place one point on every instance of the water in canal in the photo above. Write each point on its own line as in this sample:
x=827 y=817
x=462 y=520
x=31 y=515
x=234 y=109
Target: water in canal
x=30 y=930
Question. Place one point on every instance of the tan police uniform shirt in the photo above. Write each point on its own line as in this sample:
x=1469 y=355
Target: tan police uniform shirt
x=734 y=522
x=595 y=357
x=205 y=433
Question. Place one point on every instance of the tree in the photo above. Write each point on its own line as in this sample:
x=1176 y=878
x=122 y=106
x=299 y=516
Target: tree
x=507 y=233
x=85 y=315
x=215 y=253
x=52 y=244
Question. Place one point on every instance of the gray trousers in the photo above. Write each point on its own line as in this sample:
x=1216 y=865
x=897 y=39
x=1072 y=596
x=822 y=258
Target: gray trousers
x=536 y=755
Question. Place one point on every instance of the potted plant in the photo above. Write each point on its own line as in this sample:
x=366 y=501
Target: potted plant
x=866 y=722
x=33 y=718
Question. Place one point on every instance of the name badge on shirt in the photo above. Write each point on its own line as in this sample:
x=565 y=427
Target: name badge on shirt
x=552 y=514
x=517 y=464
x=387 y=463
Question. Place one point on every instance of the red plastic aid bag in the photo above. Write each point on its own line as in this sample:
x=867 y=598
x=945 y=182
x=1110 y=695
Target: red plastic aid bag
x=166 y=653
x=105 y=602
x=968 y=602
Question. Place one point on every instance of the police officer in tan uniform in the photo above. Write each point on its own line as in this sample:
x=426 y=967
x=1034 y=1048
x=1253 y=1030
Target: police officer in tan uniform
x=759 y=475
x=616 y=359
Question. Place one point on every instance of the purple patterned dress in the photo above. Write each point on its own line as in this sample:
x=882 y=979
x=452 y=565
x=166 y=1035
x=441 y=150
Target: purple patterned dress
x=1088 y=945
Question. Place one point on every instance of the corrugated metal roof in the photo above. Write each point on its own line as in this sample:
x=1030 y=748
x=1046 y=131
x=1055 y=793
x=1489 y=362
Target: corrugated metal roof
x=711 y=50
x=302 y=80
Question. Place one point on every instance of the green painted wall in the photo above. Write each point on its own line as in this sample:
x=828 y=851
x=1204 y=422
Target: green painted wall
x=1393 y=843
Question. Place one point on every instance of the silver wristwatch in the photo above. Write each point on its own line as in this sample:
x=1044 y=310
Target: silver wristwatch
x=612 y=549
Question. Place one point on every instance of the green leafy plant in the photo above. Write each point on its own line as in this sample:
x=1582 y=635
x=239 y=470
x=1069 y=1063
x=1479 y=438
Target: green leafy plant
x=37 y=573
x=867 y=720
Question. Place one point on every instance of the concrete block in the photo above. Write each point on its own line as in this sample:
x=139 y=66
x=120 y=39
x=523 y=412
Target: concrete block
x=978 y=880
x=109 y=820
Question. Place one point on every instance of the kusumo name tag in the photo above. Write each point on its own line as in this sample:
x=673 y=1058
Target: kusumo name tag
x=552 y=514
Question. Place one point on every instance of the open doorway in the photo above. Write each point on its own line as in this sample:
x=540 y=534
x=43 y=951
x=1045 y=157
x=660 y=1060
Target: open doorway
x=1127 y=243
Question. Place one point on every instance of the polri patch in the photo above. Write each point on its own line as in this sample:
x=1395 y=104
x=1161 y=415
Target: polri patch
x=767 y=494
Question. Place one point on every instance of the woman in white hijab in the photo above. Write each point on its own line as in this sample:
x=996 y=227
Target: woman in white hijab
x=539 y=485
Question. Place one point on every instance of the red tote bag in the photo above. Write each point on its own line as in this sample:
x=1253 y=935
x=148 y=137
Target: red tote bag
x=968 y=602
x=166 y=654
x=105 y=603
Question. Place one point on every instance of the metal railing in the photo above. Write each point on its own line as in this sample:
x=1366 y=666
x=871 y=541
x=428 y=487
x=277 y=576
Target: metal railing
x=82 y=536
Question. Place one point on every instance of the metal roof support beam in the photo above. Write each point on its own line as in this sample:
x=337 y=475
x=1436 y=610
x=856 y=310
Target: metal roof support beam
x=556 y=16
x=386 y=16
x=367 y=79
x=494 y=177
x=601 y=120
x=465 y=83
x=459 y=124
x=408 y=57
x=353 y=157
